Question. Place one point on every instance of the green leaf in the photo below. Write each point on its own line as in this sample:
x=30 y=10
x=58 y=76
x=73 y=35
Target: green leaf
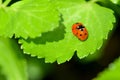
x=61 y=44
x=111 y=73
x=28 y=18
x=11 y=61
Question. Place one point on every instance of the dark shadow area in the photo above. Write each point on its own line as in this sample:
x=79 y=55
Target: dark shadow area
x=56 y=35
x=74 y=70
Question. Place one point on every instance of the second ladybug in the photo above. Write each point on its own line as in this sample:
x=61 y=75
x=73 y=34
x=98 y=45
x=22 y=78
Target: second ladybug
x=80 y=31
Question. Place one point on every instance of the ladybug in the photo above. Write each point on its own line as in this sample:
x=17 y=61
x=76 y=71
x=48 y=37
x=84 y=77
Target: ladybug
x=80 y=31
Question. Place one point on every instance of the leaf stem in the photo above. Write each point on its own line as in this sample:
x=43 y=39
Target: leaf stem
x=6 y=2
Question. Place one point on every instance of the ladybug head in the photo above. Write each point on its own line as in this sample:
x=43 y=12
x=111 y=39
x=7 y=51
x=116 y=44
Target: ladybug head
x=79 y=26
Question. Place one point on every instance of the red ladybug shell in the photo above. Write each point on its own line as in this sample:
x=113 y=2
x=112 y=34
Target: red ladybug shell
x=80 y=31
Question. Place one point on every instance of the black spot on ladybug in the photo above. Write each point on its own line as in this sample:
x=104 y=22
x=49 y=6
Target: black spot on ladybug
x=80 y=34
x=85 y=33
